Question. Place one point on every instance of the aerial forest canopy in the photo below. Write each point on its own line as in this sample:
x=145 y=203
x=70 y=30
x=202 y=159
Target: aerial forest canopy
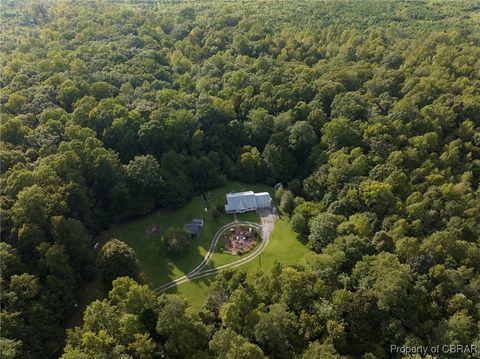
x=367 y=111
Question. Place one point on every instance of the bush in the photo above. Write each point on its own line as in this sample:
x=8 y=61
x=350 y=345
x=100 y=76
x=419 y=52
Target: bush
x=295 y=186
x=287 y=204
x=216 y=214
x=299 y=224
x=323 y=230
x=278 y=194
x=176 y=241
x=117 y=259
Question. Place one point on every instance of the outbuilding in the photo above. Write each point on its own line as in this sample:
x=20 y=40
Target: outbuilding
x=194 y=227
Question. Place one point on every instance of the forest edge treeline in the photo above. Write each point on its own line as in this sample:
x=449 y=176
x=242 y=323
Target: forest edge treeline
x=112 y=110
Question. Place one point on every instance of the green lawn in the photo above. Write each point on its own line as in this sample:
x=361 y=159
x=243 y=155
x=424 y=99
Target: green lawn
x=156 y=266
x=283 y=246
x=249 y=216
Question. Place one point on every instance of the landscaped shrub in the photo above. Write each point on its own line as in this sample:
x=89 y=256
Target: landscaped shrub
x=176 y=241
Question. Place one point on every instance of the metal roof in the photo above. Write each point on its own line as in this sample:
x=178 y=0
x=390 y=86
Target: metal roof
x=195 y=226
x=240 y=194
x=241 y=201
x=192 y=228
x=263 y=199
x=248 y=200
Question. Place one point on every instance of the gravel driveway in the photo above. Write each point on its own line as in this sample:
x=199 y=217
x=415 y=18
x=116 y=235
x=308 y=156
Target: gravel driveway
x=267 y=217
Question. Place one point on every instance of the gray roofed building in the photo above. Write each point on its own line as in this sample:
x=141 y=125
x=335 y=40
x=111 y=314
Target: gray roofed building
x=194 y=227
x=198 y=221
x=263 y=199
x=241 y=202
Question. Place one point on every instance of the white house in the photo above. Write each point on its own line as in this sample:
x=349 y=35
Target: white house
x=241 y=202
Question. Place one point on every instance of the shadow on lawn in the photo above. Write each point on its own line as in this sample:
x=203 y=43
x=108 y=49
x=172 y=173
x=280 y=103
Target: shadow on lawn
x=160 y=268
x=173 y=267
x=204 y=281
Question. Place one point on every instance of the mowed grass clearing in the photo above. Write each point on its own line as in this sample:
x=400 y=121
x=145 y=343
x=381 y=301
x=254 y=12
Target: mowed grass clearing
x=283 y=246
x=156 y=266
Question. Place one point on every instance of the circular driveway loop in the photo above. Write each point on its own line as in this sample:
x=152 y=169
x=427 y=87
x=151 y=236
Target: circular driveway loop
x=267 y=217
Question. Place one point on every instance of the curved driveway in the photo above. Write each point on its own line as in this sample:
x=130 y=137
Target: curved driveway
x=268 y=222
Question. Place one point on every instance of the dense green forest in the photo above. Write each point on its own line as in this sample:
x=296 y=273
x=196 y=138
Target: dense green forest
x=367 y=111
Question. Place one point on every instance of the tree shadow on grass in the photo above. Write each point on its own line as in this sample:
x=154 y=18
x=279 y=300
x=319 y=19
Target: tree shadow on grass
x=160 y=268
x=302 y=238
x=197 y=288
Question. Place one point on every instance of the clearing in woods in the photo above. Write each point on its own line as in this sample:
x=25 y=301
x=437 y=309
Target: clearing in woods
x=158 y=268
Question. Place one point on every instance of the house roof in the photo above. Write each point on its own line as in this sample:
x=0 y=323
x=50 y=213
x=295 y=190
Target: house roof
x=241 y=201
x=263 y=199
x=240 y=194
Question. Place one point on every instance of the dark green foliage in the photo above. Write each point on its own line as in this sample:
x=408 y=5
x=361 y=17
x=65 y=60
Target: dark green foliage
x=116 y=259
x=287 y=203
x=295 y=186
x=278 y=194
x=181 y=330
x=216 y=214
x=369 y=110
x=323 y=230
x=275 y=330
x=176 y=241
x=121 y=327
x=340 y=133
x=145 y=183
x=317 y=350
x=228 y=344
x=299 y=224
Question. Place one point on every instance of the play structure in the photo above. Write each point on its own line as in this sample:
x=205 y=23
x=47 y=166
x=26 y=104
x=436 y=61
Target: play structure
x=239 y=239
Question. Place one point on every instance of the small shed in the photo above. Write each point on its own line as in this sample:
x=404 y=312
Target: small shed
x=198 y=221
x=194 y=227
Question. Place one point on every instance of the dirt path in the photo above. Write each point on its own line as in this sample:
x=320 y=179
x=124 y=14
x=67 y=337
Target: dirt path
x=267 y=217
